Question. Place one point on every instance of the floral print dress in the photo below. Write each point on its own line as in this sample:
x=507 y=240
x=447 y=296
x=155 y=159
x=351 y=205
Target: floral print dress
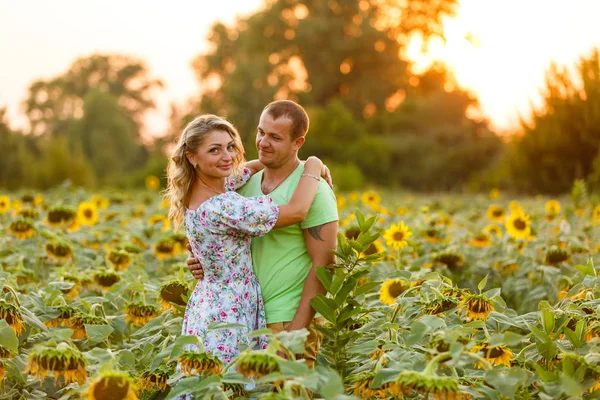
x=219 y=232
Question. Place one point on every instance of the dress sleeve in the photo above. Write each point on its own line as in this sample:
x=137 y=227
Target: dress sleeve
x=234 y=182
x=234 y=214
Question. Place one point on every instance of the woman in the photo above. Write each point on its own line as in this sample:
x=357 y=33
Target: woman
x=206 y=167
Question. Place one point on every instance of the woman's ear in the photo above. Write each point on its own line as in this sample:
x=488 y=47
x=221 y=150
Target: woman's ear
x=190 y=157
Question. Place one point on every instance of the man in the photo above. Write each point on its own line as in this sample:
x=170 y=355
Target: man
x=285 y=260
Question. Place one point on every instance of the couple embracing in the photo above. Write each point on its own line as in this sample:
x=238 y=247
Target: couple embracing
x=257 y=229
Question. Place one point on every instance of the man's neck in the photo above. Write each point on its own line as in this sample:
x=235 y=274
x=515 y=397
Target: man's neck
x=280 y=173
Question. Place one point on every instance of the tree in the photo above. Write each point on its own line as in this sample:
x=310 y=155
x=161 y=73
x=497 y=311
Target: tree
x=51 y=104
x=562 y=141
x=313 y=51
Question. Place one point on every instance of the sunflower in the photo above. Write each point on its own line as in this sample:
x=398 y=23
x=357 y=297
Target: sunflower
x=477 y=306
x=152 y=182
x=361 y=387
x=256 y=364
x=4 y=204
x=4 y=353
x=61 y=217
x=424 y=383
x=158 y=219
x=371 y=199
x=518 y=225
x=173 y=292
x=65 y=313
x=450 y=258
x=237 y=390
x=555 y=255
x=499 y=355
x=374 y=248
x=100 y=202
x=493 y=230
x=494 y=193
x=165 y=248
x=440 y=306
x=379 y=354
x=433 y=235
x=508 y=266
x=164 y=204
x=199 y=364
x=596 y=215
x=87 y=213
x=61 y=359
x=481 y=240
x=593 y=330
x=341 y=202
x=114 y=385
x=28 y=213
x=396 y=236
x=155 y=380
x=120 y=259
x=139 y=314
x=106 y=278
x=391 y=289
x=496 y=213
x=22 y=229
x=514 y=205
x=60 y=252
x=12 y=315
x=181 y=242
x=552 y=209
x=78 y=321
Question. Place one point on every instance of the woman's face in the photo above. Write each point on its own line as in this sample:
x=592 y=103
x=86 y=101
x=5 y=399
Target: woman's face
x=215 y=155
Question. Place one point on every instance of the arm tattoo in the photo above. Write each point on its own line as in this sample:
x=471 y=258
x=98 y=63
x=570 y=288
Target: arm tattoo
x=315 y=232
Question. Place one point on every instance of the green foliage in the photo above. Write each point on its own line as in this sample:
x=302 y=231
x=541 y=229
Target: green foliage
x=562 y=142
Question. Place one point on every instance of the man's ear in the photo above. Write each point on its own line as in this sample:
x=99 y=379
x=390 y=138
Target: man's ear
x=299 y=142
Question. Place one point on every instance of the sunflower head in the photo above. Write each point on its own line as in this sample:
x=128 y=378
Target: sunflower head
x=106 y=278
x=555 y=255
x=477 y=306
x=62 y=360
x=154 y=380
x=441 y=305
x=100 y=202
x=499 y=355
x=518 y=224
x=419 y=383
x=78 y=321
x=28 y=213
x=22 y=229
x=120 y=259
x=433 y=235
x=60 y=252
x=397 y=236
x=237 y=390
x=65 y=313
x=552 y=208
x=352 y=232
x=199 y=364
x=114 y=385
x=152 y=182
x=361 y=387
x=391 y=289
x=139 y=314
x=87 y=213
x=61 y=217
x=4 y=353
x=493 y=230
x=254 y=364
x=496 y=213
x=4 y=204
x=12 y=315
x=481 y=240
x=165 y=248
x=371 y=199
x=180 y=241
x=450 y=258
x=173 y=292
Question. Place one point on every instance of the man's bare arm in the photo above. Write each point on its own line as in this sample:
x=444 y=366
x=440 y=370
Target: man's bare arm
x=320 y=240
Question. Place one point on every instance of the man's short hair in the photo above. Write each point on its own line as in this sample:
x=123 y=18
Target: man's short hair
x=293 y=111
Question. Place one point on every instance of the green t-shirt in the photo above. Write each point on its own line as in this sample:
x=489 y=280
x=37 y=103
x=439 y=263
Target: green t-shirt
x=281 y=261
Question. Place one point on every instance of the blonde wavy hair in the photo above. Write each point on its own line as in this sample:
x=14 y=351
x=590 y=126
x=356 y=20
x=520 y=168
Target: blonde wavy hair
x=181 y=173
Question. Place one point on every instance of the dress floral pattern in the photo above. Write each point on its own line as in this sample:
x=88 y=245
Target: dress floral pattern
x=219 y=232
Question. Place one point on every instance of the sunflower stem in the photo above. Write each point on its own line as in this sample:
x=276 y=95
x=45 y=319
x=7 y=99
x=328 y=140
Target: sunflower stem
x=433 y=364
x=14 y=295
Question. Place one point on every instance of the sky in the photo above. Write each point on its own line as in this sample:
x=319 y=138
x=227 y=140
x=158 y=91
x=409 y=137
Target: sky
x=511 y=43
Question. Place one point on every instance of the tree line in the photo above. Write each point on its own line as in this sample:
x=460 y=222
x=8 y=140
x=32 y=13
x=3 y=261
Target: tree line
x=374 y=121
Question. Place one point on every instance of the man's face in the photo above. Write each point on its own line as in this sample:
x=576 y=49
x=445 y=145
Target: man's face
x=274 y=141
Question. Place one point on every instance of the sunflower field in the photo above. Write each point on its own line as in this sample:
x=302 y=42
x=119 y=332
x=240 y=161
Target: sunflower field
x=432 y=297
